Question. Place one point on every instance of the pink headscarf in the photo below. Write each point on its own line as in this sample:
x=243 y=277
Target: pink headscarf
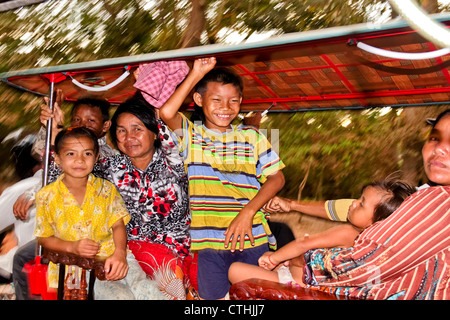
x=158 y=80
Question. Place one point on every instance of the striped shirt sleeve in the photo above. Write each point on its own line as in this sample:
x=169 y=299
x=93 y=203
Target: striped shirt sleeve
x=337 y=210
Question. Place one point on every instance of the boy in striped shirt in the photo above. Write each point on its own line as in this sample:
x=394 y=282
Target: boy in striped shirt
x=232 y=172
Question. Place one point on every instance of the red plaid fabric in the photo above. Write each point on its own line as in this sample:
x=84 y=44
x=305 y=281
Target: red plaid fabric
x=158 y=80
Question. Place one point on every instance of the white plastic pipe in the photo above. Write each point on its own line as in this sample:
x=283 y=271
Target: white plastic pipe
x=403 y=55
x=103 y=88
x=419 y=21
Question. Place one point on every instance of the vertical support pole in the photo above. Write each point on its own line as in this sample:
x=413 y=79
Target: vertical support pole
x=61 y=281
x=48 y=135
x=47 y=147
x=91 y=284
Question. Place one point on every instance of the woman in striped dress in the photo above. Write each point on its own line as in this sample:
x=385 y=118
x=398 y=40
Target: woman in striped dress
x=405 y=256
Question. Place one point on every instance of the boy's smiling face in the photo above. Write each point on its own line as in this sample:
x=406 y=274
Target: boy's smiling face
x=221 y=103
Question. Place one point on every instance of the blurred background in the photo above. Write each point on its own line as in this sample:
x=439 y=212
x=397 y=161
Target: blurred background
x=328 y=154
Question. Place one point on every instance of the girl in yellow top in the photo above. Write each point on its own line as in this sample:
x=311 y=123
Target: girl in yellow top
x=85 y=215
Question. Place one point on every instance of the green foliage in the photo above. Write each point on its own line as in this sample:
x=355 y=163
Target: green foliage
x=339 y=160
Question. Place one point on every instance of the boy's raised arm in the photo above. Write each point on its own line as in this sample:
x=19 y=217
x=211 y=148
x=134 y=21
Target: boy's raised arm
x=169 y=111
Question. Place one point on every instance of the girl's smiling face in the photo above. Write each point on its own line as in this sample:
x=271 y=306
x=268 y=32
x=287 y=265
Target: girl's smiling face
x=221 y=104
x=76 y=157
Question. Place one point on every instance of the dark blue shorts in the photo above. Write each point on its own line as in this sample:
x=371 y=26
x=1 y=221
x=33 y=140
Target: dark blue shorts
x=213 y=265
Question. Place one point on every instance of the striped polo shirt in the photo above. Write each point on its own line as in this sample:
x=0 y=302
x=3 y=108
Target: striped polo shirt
x=225 y=171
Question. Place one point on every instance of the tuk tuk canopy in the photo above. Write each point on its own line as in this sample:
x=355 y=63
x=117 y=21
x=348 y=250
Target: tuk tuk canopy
x=351 y=67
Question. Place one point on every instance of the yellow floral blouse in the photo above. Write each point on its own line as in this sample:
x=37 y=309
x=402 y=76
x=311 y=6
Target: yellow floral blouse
x=59 y=214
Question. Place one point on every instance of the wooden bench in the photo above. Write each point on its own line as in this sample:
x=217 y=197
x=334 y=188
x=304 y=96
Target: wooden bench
x=258 y=289
x=63 y=259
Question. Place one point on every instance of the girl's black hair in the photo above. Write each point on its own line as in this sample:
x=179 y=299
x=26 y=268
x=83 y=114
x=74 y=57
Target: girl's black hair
x=220 y=75
x=396 y=192
x=141 y=109
x=75 y=132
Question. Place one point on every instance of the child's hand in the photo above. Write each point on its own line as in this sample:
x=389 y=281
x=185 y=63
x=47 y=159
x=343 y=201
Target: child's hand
x=204 y=65
x=86 y=248
x=116 y=266
x=265 y=261
x=9 y=241
x=56 y=113
x=278 y=204
x=240 y=227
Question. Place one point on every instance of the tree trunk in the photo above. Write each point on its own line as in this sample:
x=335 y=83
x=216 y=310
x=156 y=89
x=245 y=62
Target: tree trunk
x=430 y=6
x=197 y=21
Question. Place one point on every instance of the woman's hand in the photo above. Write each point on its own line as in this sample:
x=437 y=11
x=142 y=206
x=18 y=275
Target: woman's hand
x=21 y=207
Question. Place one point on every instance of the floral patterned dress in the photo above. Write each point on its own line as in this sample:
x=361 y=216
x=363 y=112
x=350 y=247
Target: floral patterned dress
x=157 y=200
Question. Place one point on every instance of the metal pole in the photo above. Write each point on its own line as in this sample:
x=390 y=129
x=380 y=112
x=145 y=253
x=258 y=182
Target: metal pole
x=47 y=149
x=48 y=137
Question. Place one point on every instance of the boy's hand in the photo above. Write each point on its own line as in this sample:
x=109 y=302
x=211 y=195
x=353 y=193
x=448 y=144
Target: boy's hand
x=278 y=204
x=116 y=266
x=240 y=227
x=203 y=66
x=56 y=114
x=86 y=248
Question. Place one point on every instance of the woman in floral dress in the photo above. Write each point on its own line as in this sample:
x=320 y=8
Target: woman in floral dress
x=150 y=176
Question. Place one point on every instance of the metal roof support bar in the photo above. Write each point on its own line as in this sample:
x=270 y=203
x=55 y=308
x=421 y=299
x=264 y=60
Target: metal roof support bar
x=102 y=88
x=403 y=55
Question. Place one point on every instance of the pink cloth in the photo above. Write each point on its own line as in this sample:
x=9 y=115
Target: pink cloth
x=158 y=80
